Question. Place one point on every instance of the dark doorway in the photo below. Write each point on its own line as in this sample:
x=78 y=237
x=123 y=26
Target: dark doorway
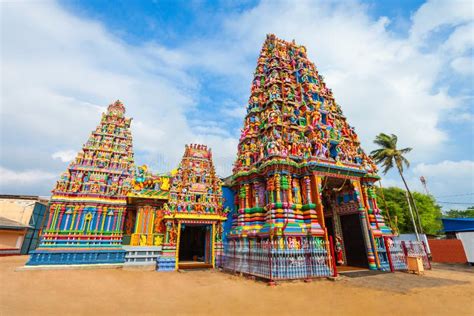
x=192 y=243
x=354 y=244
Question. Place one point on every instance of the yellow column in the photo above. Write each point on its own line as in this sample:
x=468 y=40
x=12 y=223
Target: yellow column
x=151 y=222
x=55 y=217
x=213 y=249
x=247 y=193
x=277 y=187
x=104 y=217
x=290 y=193
x=137 y=220
x=71 y=226
x=177 y=246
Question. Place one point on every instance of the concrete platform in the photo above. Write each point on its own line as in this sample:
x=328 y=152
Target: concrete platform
x=71 y=267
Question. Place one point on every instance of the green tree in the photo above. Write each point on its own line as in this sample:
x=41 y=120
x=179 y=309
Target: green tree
x=467 y=213
x=389 y=156
x=397 y=205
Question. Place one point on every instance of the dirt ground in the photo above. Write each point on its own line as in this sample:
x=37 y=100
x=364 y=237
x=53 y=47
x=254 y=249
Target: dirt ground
x=446 y=290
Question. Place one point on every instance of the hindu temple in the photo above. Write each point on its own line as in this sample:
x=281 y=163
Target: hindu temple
x=104 y=209
x=300 y=200
x=301 y=177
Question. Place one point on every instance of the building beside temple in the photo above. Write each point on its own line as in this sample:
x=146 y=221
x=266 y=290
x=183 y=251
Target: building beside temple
x=22 y=218
x=301 y=177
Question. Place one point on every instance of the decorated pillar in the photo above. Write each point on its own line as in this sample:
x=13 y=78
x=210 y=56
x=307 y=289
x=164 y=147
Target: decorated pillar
x=270 y=189
x=288 y=191
x=61 y=214
x=51 y=216
x=79 y=218
x=104 y=218
x=256 y=191
x=318 y=187
x=367 y=233
x=73 y=219
x=247 y=196
x=307 y=189
x=277 y=187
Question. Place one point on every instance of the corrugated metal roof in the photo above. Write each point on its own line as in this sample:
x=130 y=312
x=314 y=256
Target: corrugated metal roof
x=6 y=223
x=458 y=224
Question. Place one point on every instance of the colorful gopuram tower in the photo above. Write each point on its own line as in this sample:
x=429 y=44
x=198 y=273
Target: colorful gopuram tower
x=194 y=213
x=88 y=204
x=301 y=177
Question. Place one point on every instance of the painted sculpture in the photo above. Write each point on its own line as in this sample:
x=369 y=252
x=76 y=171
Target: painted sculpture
x=194 y=209
x=88 y=204
x=302 y=183
x=148 y=194
x=298 y=163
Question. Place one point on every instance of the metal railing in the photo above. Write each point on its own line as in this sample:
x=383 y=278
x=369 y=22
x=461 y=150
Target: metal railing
x=417 y=248
x=396 y=254
x=280 y=258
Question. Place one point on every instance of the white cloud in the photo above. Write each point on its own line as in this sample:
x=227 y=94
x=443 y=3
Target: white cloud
x=234 y=110
x=463 y=65
x=433 y=15
x=64 y=155
x=9 y=177
x=450 y=171
x=448 y=181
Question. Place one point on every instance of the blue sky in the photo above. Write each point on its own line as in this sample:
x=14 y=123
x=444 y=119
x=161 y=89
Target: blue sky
x=184 y=68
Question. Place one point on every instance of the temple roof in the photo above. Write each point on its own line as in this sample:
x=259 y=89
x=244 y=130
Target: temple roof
x=292 y=117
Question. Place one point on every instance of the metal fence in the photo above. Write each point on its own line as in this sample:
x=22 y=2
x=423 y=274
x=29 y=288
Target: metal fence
x=398 y=261
x=398 y=251
x=280 y=258
x=417 y=248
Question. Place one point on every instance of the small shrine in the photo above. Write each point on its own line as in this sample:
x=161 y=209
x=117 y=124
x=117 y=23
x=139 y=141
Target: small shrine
x=194 y=214
x=303 y=183
x=104 y=209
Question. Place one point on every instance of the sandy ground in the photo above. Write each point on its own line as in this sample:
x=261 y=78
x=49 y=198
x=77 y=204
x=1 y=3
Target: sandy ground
x=446 y=290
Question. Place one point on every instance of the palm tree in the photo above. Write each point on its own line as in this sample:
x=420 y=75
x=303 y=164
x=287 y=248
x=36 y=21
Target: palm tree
x=388 y=155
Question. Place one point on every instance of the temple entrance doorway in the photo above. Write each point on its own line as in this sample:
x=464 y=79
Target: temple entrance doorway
x=343 y=224
x=354 y=241
x=195 y=249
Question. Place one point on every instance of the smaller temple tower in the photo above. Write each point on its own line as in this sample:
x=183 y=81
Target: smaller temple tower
x=88 y=204
x=194 y=213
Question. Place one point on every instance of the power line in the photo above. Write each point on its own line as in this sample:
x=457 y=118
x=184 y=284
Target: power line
x=469 y=203
x=454 y=195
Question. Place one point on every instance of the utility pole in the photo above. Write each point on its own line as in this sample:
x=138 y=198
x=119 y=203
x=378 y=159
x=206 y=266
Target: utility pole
x=411 y=215
x=423 y=182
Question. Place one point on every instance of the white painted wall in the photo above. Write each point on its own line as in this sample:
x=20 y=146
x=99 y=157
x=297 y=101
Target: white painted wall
x=412 y=237
x=467 y=239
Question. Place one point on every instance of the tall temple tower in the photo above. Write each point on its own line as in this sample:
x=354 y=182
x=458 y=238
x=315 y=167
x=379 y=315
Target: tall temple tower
x=301 y=176
x=88 y=204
